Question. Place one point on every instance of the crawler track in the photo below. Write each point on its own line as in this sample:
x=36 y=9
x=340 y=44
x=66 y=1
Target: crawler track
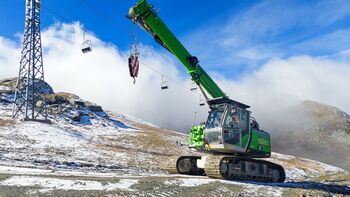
x=227 y=167
x=237 y=168
x=183 y=165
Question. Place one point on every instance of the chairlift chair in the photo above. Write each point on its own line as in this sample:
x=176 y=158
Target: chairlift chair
x=164 y=84
x=86 y=47
x=193 y=86
x=201 y=101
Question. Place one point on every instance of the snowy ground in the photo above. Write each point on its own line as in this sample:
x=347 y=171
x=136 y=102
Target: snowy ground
x=99 y=142
x=53 y=183
x=104 y=154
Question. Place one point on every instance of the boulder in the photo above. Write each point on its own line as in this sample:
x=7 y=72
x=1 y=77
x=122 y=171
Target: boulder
x=95 y=108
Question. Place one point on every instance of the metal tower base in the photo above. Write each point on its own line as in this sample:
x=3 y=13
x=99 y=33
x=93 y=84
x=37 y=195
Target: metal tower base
x=30 y=102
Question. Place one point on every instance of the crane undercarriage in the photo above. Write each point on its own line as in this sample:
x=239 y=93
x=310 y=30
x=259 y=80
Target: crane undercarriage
x=226 y=167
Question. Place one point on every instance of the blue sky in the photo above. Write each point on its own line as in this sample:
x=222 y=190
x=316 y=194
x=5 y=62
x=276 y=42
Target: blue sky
x=229 y=37
x=181 y=16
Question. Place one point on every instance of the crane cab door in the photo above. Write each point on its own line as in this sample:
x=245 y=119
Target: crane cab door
x=236 y=127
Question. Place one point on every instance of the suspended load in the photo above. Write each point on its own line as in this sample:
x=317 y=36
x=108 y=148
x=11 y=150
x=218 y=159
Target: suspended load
x=86 y=47
x=133 y=60
x=134 y=66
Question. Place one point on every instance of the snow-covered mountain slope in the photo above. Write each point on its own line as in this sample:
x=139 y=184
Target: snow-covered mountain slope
x=88 y=150
x=82 y=136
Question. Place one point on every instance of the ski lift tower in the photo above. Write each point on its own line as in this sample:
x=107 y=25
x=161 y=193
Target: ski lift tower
x=29 y=101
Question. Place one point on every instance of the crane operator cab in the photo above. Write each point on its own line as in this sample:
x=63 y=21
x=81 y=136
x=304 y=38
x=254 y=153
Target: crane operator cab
x=230 y=129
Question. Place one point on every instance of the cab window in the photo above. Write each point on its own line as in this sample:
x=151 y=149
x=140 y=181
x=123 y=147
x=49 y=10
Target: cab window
x=232 y=119
x=214 y=119
x=237 y=118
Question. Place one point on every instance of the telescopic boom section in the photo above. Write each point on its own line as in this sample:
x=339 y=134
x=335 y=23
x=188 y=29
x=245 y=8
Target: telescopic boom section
x=145 y=16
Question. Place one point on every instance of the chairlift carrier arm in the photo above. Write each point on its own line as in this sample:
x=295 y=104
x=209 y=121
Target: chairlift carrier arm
x=145 y=16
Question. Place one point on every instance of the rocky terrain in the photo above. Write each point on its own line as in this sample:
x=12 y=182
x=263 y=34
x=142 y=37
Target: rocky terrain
x=87 y=151
x=313 y=130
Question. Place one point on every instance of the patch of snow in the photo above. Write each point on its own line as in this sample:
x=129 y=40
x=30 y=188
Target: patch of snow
x=40 y=135
x=295 y=173
x=63 y=173
x=25 y=171
x=329 y=169
x=5 y=88
x=273 y=191
x=137 y=120
x=282 y=156
x=195 y=182
x=254 y=189
x=61 y=184
x=171 y=182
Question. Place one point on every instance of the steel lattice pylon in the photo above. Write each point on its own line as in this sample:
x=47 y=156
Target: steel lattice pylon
x=29 y=101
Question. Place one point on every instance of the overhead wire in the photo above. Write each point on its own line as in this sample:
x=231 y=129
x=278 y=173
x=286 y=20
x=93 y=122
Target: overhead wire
x=125 y=29
x=113 y=21
x=170 y=78
x=98 y=11
x=65 y=18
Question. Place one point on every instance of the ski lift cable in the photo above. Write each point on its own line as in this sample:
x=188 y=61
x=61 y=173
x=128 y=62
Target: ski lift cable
x=65 y=18
x=105 y=16
x=133 y=30
x=83 y=29
x=86 y=45
x=180 y=84
x=98 y=11
x=165 y=76
x=101 y=13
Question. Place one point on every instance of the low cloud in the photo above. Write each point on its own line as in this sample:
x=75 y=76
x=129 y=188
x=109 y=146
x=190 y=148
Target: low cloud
x=102 y=77
x=282 y=83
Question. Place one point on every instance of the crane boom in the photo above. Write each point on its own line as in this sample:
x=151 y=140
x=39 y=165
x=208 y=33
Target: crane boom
x=144 y=14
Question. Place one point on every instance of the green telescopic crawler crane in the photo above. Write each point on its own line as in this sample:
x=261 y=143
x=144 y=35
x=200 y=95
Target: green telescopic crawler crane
x=231 y=137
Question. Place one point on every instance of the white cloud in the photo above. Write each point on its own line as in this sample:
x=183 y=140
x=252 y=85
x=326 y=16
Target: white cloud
x=281 y=83
x=102 y=77
x=9 y=56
